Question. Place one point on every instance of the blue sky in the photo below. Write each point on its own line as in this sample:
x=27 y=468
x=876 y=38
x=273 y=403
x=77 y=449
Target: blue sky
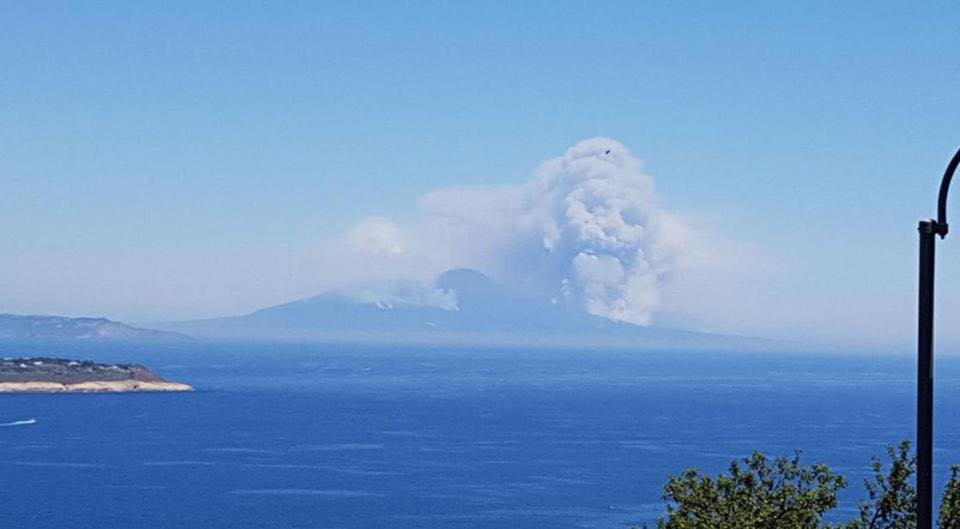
x=167 y=161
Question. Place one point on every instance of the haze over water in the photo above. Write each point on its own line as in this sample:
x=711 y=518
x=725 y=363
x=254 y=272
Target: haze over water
x=334 y=436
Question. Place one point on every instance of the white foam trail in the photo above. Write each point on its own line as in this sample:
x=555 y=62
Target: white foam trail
x=19 y=423
x=330 y=493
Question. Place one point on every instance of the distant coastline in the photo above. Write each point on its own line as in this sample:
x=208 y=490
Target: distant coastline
x=59 y=375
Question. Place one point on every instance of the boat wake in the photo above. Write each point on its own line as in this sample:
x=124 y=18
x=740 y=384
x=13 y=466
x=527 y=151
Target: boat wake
x=19 y=423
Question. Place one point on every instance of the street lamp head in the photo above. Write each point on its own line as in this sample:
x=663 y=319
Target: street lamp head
x=941 y=227
x=929 y=229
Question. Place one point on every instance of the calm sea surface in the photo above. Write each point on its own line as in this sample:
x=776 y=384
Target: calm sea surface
x=360 y=437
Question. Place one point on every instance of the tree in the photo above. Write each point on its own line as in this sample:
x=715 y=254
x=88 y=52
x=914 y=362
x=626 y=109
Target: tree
x=893 y=500
x=757 y=494
x=950 y=506
x=783 y=494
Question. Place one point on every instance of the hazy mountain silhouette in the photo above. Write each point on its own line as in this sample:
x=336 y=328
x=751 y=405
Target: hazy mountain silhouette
x=15 y=328
x=480 y=309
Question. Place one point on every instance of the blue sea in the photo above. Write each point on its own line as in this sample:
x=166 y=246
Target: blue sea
x=351 y=437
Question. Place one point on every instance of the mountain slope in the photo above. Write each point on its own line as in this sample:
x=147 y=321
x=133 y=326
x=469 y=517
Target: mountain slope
x=15 y=327
x=482 y=310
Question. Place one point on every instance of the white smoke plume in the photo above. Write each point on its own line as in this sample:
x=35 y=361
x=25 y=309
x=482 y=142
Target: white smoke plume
x=376 y=235
x=588 y=230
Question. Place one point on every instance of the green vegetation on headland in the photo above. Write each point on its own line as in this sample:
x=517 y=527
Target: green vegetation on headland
x=760 y=493
x=59 y=375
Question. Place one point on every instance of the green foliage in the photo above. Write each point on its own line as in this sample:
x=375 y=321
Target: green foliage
x=757 y=494
x=893 y=500
x=950 y=507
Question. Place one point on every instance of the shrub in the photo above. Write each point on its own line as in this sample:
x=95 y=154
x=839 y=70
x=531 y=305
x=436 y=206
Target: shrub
x=759 y=493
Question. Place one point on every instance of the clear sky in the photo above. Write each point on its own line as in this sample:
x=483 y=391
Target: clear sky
x=163 y=160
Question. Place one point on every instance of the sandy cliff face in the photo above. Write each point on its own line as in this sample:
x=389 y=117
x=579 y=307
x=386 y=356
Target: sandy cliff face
x=112 y=386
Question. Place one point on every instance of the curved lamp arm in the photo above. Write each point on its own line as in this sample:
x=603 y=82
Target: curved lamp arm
x=929 y=229
x=941 y=228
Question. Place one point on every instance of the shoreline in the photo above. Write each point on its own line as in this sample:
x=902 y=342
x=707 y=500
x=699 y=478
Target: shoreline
x=112 y=386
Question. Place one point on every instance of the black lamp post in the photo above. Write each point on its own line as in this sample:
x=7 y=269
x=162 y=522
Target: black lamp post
x=929 y=229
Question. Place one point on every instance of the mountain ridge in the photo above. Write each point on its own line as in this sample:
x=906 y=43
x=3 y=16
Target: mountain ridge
x=39 y=327
x=468 y=306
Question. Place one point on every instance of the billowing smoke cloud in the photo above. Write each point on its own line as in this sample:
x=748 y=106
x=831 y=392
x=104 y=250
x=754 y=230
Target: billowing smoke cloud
x=587 y=230
x=376 y=235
